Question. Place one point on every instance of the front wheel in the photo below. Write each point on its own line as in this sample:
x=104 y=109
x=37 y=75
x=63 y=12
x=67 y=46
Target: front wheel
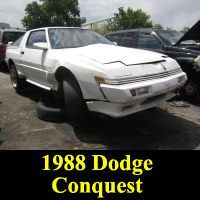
x=191 y=88
x=75 y=107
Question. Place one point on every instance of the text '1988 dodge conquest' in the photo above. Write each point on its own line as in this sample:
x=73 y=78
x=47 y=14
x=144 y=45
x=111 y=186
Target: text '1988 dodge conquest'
x=89 y=73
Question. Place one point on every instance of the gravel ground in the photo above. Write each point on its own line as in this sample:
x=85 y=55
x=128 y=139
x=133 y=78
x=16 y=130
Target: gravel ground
x=165 y=128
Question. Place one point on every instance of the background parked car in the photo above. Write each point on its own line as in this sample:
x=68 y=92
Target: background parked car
x=181 y=47
x=6 y=36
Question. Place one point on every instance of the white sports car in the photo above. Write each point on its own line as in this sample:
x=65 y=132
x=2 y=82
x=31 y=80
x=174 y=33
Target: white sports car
x=88 y=72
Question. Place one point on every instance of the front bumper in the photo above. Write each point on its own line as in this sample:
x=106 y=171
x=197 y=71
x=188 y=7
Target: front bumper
x=120 y=101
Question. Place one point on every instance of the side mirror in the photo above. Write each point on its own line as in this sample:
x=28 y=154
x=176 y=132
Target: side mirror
x=115 y=43
x=10 y=43
x=40 y=45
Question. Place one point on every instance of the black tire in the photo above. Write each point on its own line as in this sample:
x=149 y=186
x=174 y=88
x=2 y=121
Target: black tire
x=50 y=114
x=17 y=83
x=75 y=107
x=191 y=88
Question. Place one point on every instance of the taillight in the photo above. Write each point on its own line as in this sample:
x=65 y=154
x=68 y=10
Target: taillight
x=2 y=48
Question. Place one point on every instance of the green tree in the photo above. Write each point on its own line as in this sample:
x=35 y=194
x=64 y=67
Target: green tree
x=52 y=13
x=158 y=26
x=101 y=29
x=129 y=19
x=185 y=29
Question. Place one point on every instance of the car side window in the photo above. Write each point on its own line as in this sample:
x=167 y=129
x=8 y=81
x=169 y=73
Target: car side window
x=130 y=40
x=148 y=41
x=36 y=36
x=117 y=37
x=18 y=42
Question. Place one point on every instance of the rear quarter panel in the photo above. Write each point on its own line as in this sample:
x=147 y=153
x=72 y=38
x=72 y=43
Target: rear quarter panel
x=14 y=53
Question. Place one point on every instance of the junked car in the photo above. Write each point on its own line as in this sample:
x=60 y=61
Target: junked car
x=8 y=35
x=90 y=73
x=183 y=48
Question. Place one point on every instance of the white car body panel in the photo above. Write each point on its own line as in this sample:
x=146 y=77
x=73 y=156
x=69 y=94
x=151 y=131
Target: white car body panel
x=125 y=55
x=124 y=69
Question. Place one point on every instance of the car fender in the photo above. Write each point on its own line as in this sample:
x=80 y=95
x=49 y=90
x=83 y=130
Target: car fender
x=185 y=59
x=84 y=75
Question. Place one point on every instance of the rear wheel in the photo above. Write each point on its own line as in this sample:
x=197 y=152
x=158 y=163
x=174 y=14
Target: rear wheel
x=17 y=83
x=75 y=107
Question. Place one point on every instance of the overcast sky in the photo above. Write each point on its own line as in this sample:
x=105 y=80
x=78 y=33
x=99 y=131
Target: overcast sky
x=171 y=13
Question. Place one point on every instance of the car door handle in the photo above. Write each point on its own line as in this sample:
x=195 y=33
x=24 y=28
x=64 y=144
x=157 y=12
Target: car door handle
x=22 y=52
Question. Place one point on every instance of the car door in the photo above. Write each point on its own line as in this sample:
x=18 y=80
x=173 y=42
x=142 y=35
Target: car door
x=32 y=59
x=149 y=41
x=117 y=38
x=131 y=40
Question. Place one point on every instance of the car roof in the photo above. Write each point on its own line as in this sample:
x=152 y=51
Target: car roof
x=146 y=30
x=13 y=29
x=58 y=27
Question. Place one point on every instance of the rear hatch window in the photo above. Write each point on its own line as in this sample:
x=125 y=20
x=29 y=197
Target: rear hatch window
x=11 y=36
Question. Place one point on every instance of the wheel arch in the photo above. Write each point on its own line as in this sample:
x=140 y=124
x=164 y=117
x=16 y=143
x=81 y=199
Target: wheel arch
x=65 y=73
x=89 y=89
x=10 y=62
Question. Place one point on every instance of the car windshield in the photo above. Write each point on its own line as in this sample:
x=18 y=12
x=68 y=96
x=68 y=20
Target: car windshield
x=170 y=37
x=11 y=36
x=72 y=38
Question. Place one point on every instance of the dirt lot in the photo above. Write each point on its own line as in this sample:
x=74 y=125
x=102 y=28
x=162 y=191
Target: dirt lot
x=167 y=127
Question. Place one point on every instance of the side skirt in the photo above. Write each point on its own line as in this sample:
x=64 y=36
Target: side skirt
x=38 y=84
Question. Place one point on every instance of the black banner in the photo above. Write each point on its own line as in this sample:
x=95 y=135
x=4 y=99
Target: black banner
x=99 y=174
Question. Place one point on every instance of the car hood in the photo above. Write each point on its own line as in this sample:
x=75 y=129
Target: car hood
x=192 y=34
x=107 y=54
x=183 y=51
